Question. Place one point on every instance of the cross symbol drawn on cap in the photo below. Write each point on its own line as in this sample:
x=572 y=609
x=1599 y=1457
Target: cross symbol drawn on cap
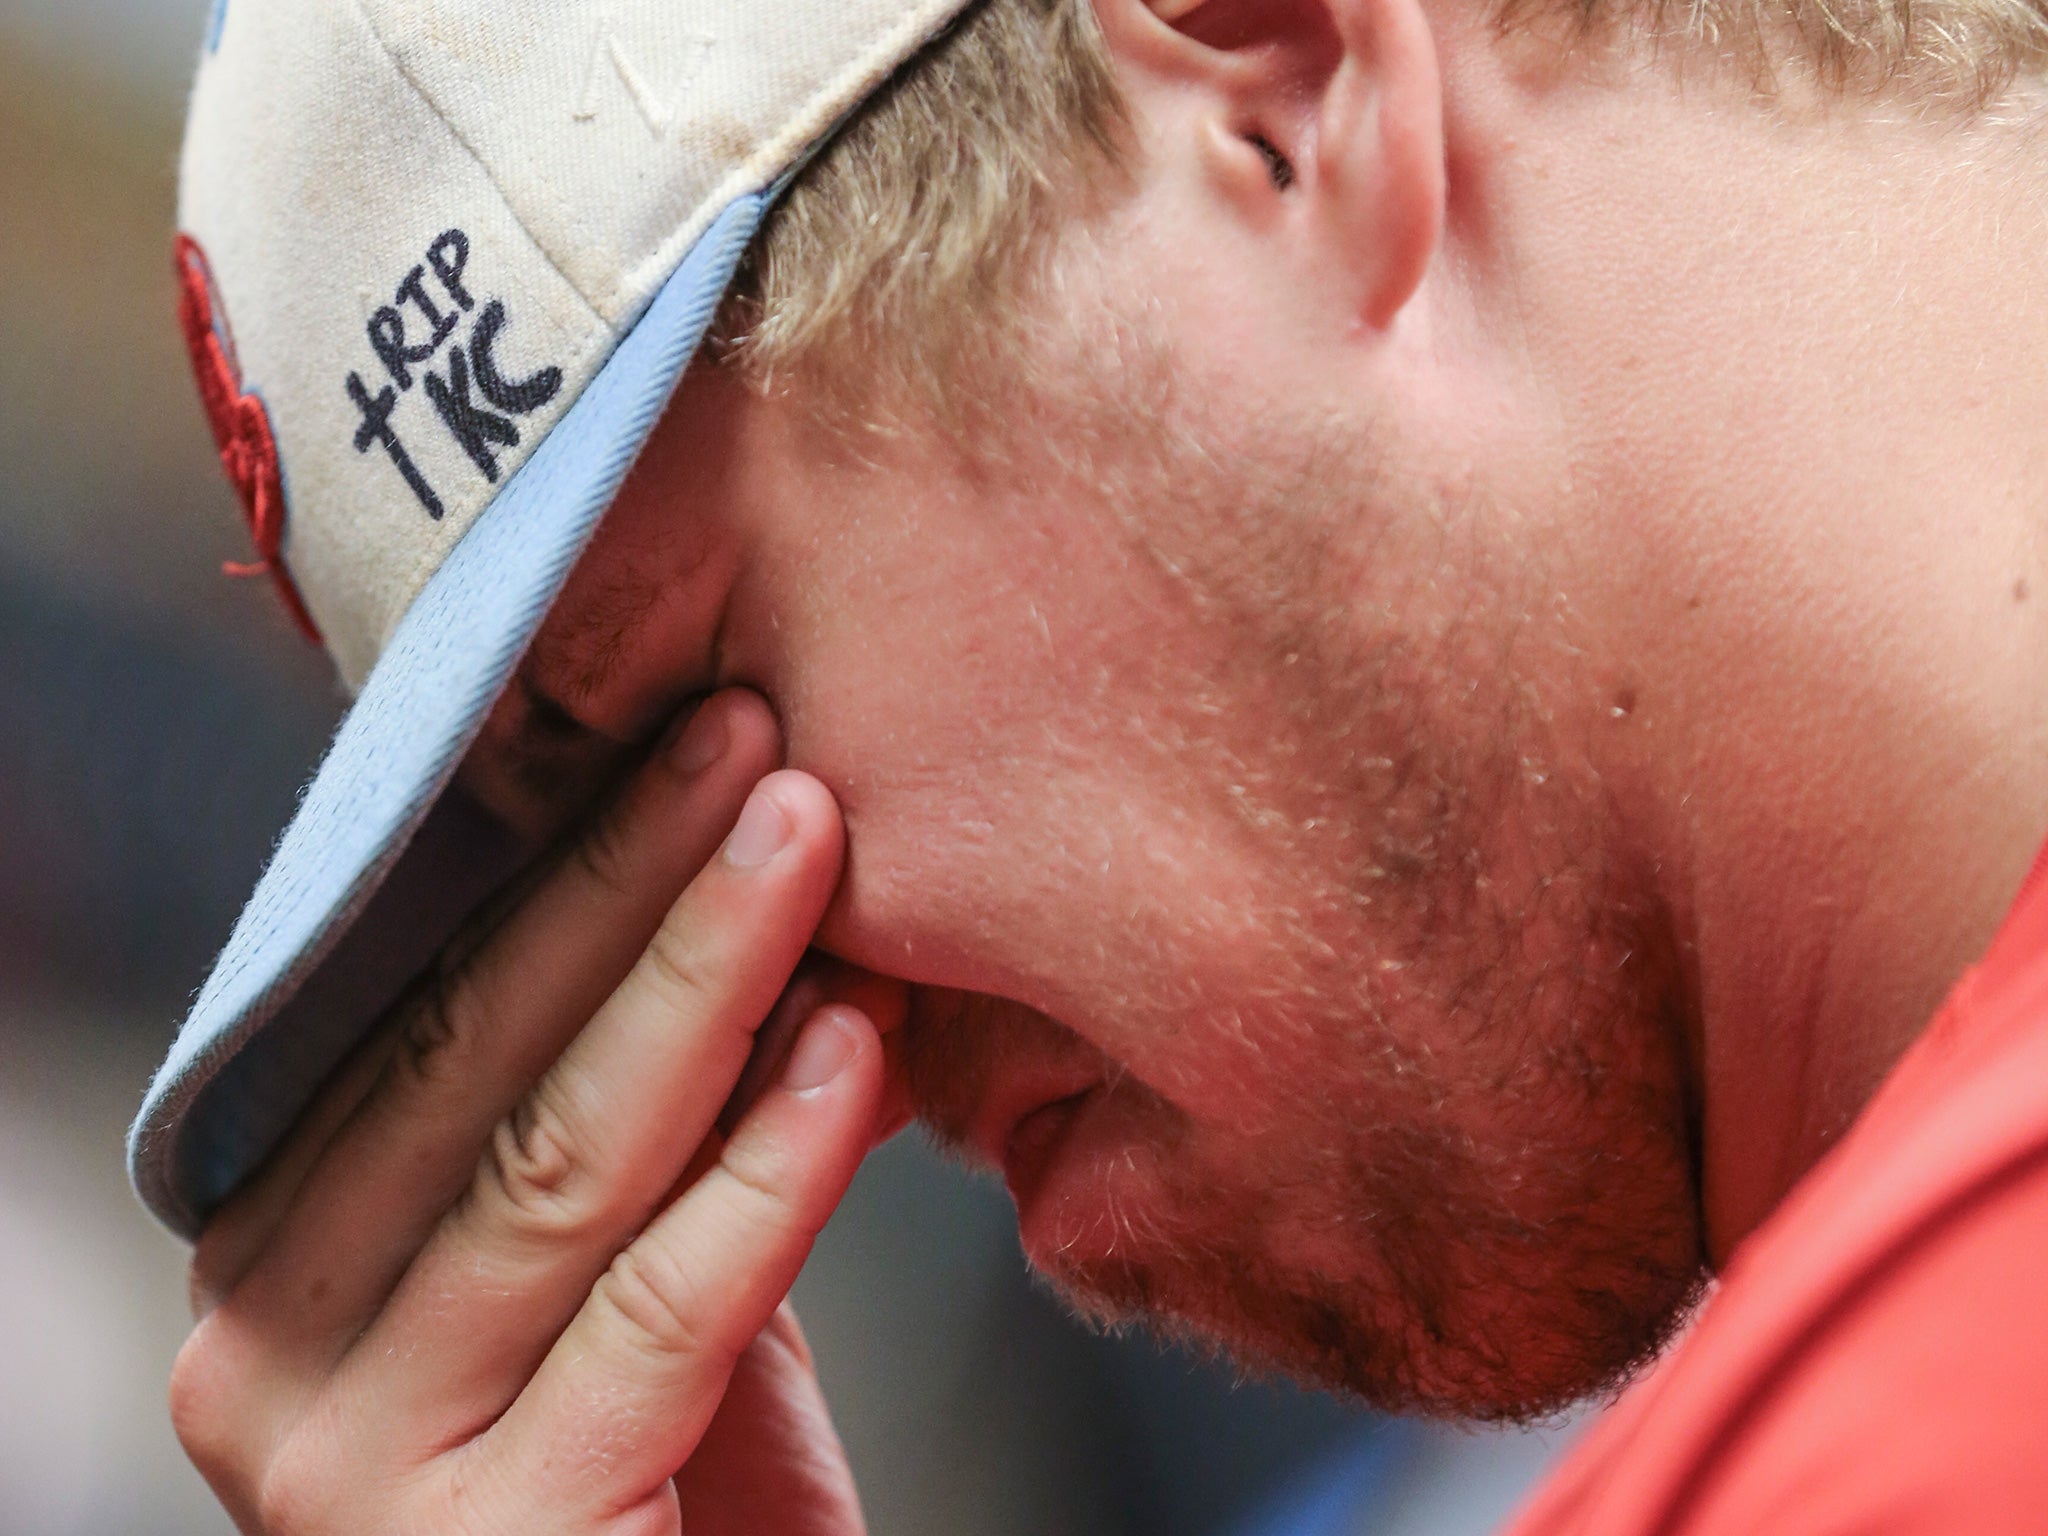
x=478 y=429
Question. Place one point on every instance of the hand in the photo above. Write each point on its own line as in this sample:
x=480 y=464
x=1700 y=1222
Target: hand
x=508 y=1275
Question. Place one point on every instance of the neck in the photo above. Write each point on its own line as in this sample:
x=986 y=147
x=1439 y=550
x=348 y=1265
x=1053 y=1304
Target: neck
x=1820 y=968
x=1865 y=781
x=1818 y=485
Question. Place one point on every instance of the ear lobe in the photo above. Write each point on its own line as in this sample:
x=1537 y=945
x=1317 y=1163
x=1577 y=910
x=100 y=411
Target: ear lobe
x=1379 y=164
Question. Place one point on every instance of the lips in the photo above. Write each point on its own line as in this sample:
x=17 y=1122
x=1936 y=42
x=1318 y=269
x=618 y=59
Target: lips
x=1020 y=1120
x=999 y=1080
x=1034 y=1141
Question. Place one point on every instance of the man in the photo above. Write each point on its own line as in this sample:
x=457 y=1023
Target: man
x=1405 y=639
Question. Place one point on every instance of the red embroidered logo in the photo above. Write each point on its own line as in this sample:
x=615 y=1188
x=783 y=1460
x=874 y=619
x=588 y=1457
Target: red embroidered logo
x=241 y=426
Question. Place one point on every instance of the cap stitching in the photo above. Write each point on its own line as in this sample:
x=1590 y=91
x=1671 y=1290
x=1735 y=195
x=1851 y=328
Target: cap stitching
x=433 y=106
x=807 y=128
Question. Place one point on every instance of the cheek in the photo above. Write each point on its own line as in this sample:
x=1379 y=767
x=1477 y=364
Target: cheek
x=1043 y=763
x=1089 y=862
x=1124 y=949
x=990 y=817
x=970 y=874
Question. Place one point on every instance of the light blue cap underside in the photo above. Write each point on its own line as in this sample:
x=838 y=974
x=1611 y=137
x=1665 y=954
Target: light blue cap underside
x=268 y=1027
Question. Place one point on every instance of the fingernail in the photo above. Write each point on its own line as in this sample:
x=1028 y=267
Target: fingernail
x=701 y=743
x=822 y=1051
x=763 y=829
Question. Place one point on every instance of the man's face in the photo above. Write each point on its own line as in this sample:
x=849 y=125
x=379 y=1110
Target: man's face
x=1259 y=911
x=1216 y=763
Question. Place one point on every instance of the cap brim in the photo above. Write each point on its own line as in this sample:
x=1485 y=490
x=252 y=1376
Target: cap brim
x=381 y=865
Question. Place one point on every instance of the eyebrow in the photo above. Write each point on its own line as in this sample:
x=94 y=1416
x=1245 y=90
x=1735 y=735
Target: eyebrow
x=585 y=648
x=550 y=743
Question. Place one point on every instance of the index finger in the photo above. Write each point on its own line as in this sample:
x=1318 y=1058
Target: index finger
x=477 y=1037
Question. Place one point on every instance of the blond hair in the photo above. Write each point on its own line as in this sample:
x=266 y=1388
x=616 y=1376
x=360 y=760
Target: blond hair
x=1947 y=54
x=896 y=259
x=888 y=258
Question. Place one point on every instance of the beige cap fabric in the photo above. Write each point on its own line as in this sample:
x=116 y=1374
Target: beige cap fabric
x=412 y=208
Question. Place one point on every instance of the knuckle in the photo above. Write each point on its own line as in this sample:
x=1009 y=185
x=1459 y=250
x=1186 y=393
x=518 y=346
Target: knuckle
x=604 y=854
x=227 y=1424
x=655 y=1305
x=205 y=1394
x=538 y=1174
x=676 y=967
x=299 y=1490
x=760 y=1185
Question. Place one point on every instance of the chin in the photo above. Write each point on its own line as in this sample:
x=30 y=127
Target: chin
x=1445 y=1299
x=1425 y=1241
x=1484 y=1356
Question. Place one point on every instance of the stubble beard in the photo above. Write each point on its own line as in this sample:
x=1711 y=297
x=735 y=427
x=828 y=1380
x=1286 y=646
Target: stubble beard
x=1493 y=1176
x=1479 y=1202
x=1433 y=1226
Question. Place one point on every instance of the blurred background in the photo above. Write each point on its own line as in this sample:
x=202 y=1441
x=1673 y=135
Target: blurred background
x=156 y=720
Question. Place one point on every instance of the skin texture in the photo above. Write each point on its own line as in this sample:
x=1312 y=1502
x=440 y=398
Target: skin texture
x=1450 y=728
x=1485 y=693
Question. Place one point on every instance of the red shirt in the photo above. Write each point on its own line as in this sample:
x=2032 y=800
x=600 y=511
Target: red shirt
x=1875 y=1359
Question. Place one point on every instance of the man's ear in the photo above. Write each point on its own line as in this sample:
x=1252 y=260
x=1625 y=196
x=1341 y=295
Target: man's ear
x=1325 y=113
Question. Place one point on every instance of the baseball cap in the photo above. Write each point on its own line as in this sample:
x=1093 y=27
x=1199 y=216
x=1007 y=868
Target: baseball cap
x=442 y=264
